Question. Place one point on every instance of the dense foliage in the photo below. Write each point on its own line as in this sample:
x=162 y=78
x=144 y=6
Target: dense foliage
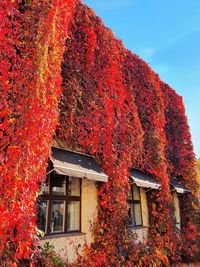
x=31 y=48
x=112 y=106
x=115 y=107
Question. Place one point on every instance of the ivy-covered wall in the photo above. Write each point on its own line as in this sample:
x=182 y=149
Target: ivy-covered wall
x=111 y=105
x=32 y=38
x=115 y=107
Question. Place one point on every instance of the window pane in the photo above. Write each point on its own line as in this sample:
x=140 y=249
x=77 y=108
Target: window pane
x=58 y=184
x=42 y=215
x=73 y=216
x=57 y=216
x=136 y=192
x=131 y=215
x=74 y=186
x=45 y=187
x=137 y=212
x=130 y=196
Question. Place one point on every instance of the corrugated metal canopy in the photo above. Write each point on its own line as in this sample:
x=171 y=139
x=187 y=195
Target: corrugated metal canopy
x=144 y=180
x=77 y=165
x=181 y=189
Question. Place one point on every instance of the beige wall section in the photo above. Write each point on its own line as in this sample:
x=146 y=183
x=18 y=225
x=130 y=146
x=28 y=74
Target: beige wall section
x=142 y=232
x=69 y=246
x=89 y=207
x=176 y=209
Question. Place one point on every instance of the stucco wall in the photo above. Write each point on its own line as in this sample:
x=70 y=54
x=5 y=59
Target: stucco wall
x=142 y=232
x=69 y=246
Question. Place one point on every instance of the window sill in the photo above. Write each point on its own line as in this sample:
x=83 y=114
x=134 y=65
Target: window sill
x=137 y=227
x=62 y=235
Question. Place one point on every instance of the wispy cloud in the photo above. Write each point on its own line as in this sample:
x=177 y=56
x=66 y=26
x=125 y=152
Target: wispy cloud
x=146 y=53
x=161 y=69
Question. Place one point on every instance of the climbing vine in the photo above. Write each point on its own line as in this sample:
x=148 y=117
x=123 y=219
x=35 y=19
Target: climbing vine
x=181 y=164
x=111 y=105
x=115 y=107
x=31 y=47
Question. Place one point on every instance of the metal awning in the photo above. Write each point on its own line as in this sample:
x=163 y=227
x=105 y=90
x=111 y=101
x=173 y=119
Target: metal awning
x=143 y=180
x=181 y=189
x=77 y=165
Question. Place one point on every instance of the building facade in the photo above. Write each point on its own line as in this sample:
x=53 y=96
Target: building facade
x=68 y=205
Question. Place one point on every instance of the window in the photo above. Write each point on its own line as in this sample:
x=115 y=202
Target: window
x=135 y=211
x=59 y=207
x=177 y=215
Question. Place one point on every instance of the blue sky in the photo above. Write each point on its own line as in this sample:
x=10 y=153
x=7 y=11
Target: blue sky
x=166 y=34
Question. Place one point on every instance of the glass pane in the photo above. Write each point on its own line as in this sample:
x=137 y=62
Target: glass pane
x=136 y=192
x=45 y=187
x=58 y=184
x=74 y=186
x=137 y=212
x=73 y=216
x=131 y=215
x=57 y=216
x=42 y=215
x=130 y=197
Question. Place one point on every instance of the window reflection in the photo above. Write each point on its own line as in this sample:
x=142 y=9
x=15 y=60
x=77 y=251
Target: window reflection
x=136 y=192
x=131 y=215
x=137 y=212
x=42 y=215
x=73 y=216
x=74 y=186
x=45 y=187
x=57 y=216
x=58 y=185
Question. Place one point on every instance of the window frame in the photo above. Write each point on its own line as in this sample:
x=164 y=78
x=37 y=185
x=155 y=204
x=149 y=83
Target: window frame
x=132 y=202
x=50 y=197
